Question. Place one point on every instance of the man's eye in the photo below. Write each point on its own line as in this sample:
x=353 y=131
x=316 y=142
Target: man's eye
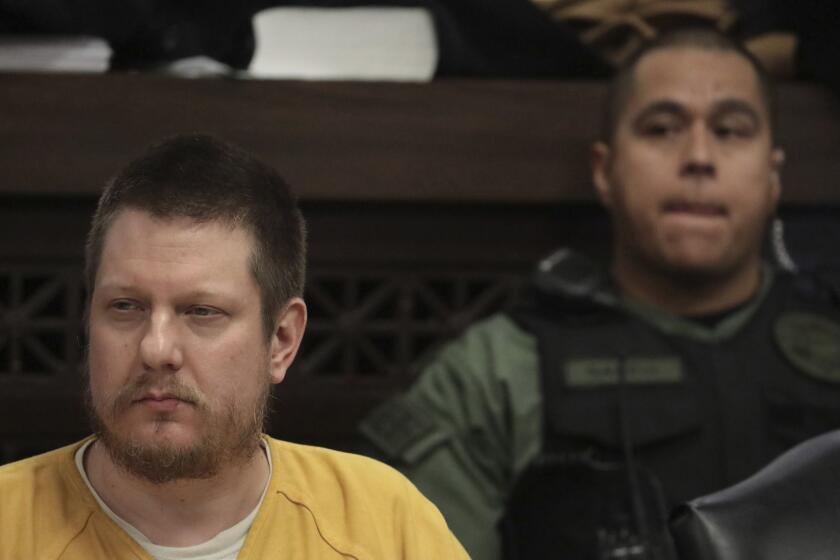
x=734 y=125
x=730 y=131
x=202 y=311
x=660 y=129
x=725 y=132
x=124 y=305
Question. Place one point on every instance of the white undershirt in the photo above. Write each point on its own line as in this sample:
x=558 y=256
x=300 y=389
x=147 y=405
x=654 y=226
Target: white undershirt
x=224 y=546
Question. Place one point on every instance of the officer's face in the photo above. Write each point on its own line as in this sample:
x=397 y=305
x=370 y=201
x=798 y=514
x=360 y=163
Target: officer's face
x=690 y=178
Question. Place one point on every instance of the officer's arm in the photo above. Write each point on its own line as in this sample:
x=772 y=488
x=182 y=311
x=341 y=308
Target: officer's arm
x=465 y=427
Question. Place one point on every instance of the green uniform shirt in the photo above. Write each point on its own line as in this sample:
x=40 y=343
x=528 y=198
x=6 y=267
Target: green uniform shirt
x=473 y=421
x=468 y=427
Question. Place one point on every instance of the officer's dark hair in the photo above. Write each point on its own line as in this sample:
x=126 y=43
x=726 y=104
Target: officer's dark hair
x=707 y=38
x=200 y=177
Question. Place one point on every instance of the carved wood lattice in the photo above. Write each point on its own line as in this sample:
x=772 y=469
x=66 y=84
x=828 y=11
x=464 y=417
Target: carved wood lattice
x=364 y=324
x=40 y=310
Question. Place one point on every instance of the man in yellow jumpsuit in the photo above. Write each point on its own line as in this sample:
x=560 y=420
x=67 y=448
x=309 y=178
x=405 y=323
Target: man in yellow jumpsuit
x=195 y=267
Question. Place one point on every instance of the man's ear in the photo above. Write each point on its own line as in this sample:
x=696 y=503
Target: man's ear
x=600 y=172
x=288 y=332
x=777 y=159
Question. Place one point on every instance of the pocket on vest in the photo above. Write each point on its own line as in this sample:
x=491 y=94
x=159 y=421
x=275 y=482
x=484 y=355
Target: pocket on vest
x=652 y=415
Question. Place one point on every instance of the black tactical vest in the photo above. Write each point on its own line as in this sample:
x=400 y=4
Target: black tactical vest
x=643 y=411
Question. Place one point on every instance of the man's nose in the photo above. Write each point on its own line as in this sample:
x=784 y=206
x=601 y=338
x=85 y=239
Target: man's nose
x=699 y=160
x=160 y=348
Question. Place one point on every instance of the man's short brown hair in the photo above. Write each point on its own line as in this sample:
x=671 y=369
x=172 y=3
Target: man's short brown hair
x=202 y=178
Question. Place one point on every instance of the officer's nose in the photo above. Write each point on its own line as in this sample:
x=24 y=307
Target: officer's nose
x=160 y=348
x=698 y=156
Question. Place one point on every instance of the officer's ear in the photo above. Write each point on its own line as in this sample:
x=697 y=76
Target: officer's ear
x=600 y=159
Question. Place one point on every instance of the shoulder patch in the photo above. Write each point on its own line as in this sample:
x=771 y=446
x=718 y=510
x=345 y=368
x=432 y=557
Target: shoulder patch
x=811 y=343
x=402 y=429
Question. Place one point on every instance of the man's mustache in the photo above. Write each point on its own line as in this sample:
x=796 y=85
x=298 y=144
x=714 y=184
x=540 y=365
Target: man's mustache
x=146 y=386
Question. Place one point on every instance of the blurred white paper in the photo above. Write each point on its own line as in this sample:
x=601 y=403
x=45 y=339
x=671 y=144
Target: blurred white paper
x=360 y=43
x=53 y=53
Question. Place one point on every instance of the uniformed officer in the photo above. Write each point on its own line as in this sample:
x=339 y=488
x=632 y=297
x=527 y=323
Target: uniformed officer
x=575 y=422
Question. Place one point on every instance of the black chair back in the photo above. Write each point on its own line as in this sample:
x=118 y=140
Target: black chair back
x=790 y=510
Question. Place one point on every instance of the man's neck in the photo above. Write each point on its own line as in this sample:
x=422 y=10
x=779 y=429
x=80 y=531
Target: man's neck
x=687 y=294
x=178 y=513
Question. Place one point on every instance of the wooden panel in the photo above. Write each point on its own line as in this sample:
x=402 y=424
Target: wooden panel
x=809 y=132
x=66 y=134
x=441 y=141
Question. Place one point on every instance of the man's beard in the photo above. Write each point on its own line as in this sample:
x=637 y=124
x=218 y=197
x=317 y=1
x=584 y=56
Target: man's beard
x=230 y=436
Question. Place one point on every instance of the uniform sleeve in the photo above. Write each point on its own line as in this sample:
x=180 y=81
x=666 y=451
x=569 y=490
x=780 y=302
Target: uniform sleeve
x=466 y=427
